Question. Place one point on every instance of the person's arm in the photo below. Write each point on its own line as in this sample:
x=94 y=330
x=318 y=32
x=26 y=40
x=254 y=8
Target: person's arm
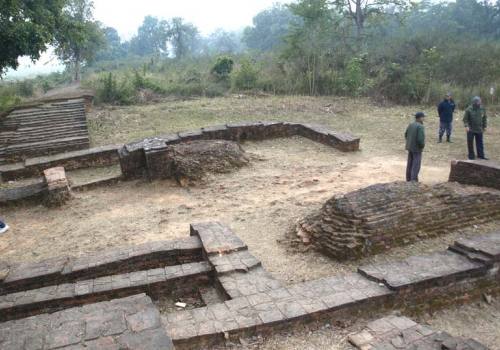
x=421 y=137
x=485 y=120
x=453 y=106
x=440 y=108
x=406 y=133
x=466 y=120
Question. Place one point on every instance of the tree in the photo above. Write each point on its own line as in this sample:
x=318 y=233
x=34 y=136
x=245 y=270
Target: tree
x=152 y=37
x=184 y=37
x=26 y=28
x=113 y=48
x=359 y=11
x=269 y=28
x=79 y=37
x=224 y=42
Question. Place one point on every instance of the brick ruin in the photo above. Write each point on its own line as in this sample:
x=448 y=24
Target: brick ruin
x=184 y=156
x=109 y=300
x=476 y=172
x=396 y=332
x=375 y=218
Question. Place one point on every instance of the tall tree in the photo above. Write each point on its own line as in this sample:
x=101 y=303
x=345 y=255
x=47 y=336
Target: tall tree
x=113 y=48
x=184 y=37
x=269 y=28
x=26 y=28
x=152 y=37
x=79 y=37
x=360 y=11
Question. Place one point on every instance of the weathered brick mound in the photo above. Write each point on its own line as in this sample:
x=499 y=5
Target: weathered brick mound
x=377 y=217
x=191 y=162
x=476 y=172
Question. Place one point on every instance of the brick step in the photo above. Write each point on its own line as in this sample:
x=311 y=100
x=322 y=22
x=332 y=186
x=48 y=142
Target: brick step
x=44 y=137
x=50 y=272
x=57 y=143
x=66 y=117
x=53 y=298
x=51 y=129
x=42 y=112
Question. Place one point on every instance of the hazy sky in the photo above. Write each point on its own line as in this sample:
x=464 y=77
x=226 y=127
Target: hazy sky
x=207 y=15
x=127 y=15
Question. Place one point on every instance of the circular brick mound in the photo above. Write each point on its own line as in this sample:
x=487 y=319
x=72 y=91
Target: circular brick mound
x=377 y=217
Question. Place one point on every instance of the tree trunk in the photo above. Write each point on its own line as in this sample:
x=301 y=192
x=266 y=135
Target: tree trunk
x=77 y=67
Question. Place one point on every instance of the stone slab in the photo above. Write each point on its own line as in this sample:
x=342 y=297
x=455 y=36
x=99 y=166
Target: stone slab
x=128 y=323
x=217 y=238
x=488 y=245
x=437 y=268
x=395 y=332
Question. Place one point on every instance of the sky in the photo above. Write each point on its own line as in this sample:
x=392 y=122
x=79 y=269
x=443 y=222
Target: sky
x=127 y=15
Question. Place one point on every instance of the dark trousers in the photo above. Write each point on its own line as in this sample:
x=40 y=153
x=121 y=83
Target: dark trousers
x=413 y=165
x=445 y=127
x=479 y=144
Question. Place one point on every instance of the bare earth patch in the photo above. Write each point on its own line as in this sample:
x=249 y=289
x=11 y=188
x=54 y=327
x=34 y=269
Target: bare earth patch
x=285 y=180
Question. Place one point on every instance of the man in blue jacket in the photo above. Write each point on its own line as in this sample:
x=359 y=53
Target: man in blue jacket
x=445 y=111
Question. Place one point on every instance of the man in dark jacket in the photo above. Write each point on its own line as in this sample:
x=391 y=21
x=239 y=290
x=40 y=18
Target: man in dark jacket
x=445 y=111
x=415 y=143
x=475 y=122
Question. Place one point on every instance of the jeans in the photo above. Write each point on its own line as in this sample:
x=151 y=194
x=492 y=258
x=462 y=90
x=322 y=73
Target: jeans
x=479 y=144
x=413 y=165
x=445 y=126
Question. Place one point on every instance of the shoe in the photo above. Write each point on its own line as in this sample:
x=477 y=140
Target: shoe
x=4 y=229
x=484 y=158
x=449 y=140
x=440 y=141
x=472 y=158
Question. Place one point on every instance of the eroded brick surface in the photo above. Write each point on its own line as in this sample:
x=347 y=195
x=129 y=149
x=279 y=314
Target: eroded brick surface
x=393 y=332
x=129 y=323
x=476 y=172
x=377 y=217
x=217 y=238
x=487 y=245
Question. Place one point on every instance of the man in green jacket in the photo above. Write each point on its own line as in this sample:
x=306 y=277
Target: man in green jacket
x=475 y=122
x=415 y=143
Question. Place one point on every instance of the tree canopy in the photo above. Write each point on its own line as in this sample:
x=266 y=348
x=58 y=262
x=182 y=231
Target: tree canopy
x=26 y=29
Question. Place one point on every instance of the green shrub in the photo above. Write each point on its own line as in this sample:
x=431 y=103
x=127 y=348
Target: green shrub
x=110 y=90
x=245 y=78
x=222 y=67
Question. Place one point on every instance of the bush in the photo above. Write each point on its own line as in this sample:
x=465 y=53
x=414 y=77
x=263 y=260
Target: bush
x=222 y=68
x=110 y=90
x=245 y=78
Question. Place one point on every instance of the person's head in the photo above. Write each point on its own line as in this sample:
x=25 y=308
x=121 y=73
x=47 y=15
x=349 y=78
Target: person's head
x=419 y=117
x=448 y=96
x=476 y=101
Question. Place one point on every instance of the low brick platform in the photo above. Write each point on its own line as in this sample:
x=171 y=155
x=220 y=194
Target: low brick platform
x=392 y=332
x=129 y=323
x=129 y=259
x=476 y=172
x=424 y=270
x=138 y=158
x=380 y=216
x=57 y=297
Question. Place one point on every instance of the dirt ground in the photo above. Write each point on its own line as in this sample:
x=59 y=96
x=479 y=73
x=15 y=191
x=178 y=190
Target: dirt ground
x=285 y=180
